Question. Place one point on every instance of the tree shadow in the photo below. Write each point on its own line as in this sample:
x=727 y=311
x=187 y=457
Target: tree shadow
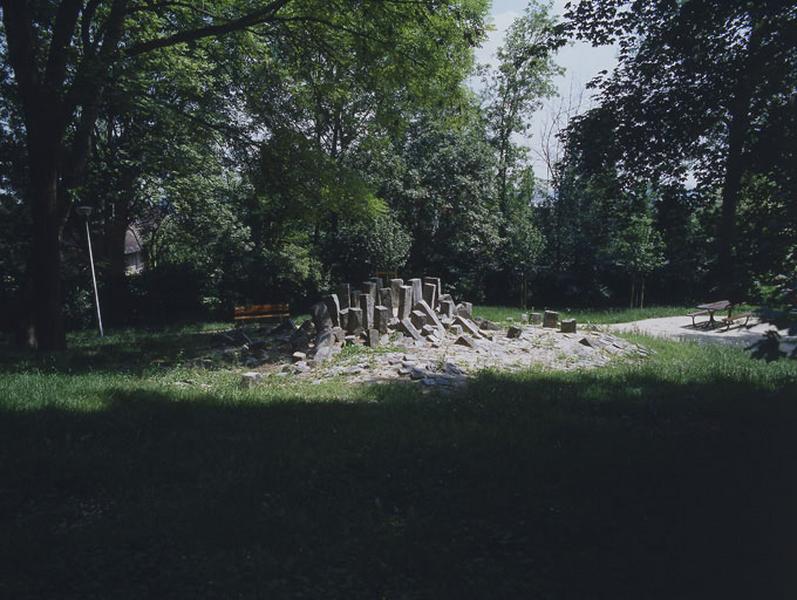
x=544 y=486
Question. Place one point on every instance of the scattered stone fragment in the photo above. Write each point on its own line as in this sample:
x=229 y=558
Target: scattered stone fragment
x=465 y=309
x=350 y=340
x=250 y=379
x=418 y=373
x=298 y=356
x=467 y=325
x=339 y=333
x=569 y=326
x=466 y=341
x=514 y=332
x=455 y=330
x=488 y=325
x=431 y=316
x=408 y=329
x=550 y=319
x=372 y=338
x=487 y=334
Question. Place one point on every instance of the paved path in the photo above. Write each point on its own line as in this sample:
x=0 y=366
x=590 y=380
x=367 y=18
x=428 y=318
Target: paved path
x=680 y=328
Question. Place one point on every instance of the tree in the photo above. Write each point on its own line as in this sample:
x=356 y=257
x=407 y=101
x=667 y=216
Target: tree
x=514 y=89
x=695 y=85
x=64 y=55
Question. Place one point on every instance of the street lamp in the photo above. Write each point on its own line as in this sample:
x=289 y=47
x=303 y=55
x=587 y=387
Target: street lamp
x=85 y=212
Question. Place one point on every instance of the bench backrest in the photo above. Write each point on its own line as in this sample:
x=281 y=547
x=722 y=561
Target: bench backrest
x=261 y=310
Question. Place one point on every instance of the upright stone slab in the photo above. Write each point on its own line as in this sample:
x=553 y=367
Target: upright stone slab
x=430 y=294
x=321 y=317
x=333 y=306
x=344 y=295
x=569 y=326
x=344 y=318
x=355 y=299
x=467 y=325
x=354 y=323
x=367 y=306
x=448 y=308
x=417 y=290
x=369 y=287
x=550 y=319
x=378 y=281
x=382 y=316
x=395 y=287
x=405 y=302
x=438 y=284
x=386 y=300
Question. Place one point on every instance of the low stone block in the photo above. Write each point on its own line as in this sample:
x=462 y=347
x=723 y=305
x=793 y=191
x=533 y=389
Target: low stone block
x=408 y=329
x=339 y=333
x=455 y=330
x=372 y=338
x=405 y=302
x=418 y=318
x=251 y=379
x=535 y=318
x=513 y=332
x=550 y=319
x=298 y=356
x=381 y=318
x=354 y=323
x=428 y=330
x=569 y=326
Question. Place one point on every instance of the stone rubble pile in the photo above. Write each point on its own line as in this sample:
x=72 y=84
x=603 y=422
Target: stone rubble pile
x=421 y=334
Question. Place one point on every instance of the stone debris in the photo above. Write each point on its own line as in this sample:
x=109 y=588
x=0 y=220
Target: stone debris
x=569 y=326
x=550 y=319
x=436 y=342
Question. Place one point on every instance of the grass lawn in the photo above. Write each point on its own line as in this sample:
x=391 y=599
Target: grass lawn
x=125 y=474
x=596 y=317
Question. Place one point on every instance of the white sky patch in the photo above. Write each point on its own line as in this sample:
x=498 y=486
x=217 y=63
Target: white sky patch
x=581 y=62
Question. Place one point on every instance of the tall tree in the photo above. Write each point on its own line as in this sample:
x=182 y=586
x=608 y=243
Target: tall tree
x=694 y=84
x=63 y=54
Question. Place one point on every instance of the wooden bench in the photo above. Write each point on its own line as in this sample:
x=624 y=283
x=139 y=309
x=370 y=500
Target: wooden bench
x=731 y=319
x=259 y=312
x=700 y=313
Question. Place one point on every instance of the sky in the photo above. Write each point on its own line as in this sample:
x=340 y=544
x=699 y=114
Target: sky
x=580 y=61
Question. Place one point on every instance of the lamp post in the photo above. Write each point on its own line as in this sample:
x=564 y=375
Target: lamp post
x=85 y=212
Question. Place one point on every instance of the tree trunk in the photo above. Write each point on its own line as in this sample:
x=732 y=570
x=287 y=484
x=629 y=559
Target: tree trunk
x=46 y=330
x=642 y=294
x=633 y=291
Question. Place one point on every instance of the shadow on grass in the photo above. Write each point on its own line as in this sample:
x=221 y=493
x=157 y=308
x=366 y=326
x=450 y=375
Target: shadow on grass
x=535 y=487
x=131 y=351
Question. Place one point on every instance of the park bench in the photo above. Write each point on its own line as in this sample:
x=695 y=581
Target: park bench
x=699 y=313
x=260 y=312
x=731 y=319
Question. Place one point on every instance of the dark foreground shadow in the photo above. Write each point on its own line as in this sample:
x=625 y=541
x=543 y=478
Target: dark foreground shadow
x=540 y=488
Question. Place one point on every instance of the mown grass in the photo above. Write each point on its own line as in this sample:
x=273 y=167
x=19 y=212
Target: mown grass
x=595 y=317
x=671 y=477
